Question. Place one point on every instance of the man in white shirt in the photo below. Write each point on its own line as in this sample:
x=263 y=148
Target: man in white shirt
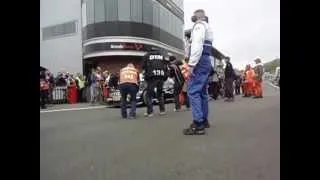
x=200 y=69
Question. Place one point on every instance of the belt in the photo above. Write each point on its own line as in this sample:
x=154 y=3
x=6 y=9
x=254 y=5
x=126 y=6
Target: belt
x=207 y=43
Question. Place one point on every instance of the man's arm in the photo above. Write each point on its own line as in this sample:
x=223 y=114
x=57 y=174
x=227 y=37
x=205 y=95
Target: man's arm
x=198 y=35
x=260 y=72
x=212 y=61
x=144 y=62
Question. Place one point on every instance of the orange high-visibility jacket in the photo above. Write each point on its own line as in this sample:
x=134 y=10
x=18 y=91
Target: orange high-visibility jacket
x=250 y=76
x=129 y=75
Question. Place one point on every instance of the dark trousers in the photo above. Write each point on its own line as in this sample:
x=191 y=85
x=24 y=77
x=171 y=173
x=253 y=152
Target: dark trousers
x=44 y=98
x=210 y=89
x=125 y=90
x=50 y=96
x=151 y=85
x=221 y=88
x=80 y=95
x=229 y=87
x=237 y=89
x=215 y=89
x=177 y=90
x=186 y=98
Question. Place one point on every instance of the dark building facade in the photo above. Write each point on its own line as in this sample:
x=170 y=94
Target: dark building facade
x=115 y=32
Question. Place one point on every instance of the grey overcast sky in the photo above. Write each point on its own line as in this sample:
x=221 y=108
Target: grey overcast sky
x=243 y=29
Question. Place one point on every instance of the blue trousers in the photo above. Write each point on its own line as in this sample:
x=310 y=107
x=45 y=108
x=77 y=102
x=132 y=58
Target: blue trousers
x=125 y=89
x=197 y=90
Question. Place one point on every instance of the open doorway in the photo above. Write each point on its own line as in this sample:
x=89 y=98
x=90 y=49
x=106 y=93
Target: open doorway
x=87 y=66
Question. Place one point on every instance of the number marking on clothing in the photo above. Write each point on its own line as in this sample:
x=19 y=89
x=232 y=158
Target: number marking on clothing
x=158 y=72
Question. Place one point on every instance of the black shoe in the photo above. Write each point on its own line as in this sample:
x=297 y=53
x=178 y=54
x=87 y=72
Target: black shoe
x=256 y=97
x=194 y=129
x=148 y=115
x=206 y=124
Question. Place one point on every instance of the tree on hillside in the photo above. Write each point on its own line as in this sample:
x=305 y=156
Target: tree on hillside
x=271 y=66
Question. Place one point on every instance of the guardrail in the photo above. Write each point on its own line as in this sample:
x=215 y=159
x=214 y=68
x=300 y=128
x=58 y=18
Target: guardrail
x=274 y=80
x=58 y=95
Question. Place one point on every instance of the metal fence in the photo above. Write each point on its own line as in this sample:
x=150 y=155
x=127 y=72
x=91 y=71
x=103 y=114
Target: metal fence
x=58 y=95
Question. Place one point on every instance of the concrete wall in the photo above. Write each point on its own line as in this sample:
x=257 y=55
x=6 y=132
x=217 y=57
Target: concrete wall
x=63 y=52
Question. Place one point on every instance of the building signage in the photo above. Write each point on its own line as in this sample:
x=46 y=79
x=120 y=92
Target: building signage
x=127 y=46
x=123 y=46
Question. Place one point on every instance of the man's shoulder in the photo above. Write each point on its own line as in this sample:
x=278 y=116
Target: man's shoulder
x=198 y=26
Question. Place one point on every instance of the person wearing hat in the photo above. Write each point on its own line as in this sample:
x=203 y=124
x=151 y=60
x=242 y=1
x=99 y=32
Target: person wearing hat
x=199 y=71
x=257 y=87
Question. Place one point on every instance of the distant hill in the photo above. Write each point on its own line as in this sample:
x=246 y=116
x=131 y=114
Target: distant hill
x=272 y=65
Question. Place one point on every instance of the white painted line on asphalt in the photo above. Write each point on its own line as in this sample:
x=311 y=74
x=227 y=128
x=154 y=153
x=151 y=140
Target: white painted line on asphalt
x=73 y=109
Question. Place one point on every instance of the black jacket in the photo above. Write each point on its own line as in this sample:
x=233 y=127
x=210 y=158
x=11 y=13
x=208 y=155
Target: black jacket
x=155 y=68
x=229 y=72
x=113 y=81
x=175 y=72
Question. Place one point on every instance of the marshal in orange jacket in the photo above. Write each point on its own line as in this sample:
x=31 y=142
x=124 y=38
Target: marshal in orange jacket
x=129 y=74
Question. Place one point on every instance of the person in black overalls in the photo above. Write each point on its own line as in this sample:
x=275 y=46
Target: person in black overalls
x=156 y=72
x=238 y=85
x=176 y=74
x=229 y=75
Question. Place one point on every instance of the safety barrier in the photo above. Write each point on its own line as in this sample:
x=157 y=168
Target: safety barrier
x=59 y=95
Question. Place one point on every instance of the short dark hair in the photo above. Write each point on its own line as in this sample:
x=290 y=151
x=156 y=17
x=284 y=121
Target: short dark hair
x=172 y=58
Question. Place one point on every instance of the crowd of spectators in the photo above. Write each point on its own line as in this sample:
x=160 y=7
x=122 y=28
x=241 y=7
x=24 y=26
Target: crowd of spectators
x=89 y=88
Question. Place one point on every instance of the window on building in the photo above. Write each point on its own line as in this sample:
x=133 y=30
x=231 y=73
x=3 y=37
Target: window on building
x=84 y=14
x=59 y=30
x=179 y=3
x=180 y=32
x=156 y=14
x=178 y=28
x=172 y=24
x=99 y=11
x=111 y=10
x=136 y=10
x=90 y=11
x=164 y=18
x=124 y=11
x=147 y=6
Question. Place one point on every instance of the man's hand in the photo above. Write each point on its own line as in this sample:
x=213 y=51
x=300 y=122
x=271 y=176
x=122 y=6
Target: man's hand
x=190 y=71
